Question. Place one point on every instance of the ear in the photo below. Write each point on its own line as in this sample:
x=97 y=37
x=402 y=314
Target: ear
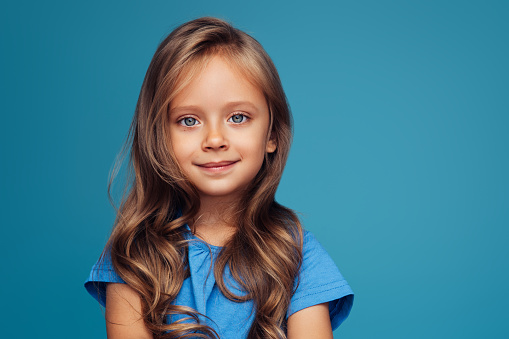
x=271 y=146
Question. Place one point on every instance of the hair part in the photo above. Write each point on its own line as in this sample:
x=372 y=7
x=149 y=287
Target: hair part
x=148 y=245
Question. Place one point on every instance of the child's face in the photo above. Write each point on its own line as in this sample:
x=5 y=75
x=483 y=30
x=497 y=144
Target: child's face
x=219 y=130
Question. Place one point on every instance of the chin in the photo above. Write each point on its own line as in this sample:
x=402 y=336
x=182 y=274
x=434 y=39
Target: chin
x=221 y=192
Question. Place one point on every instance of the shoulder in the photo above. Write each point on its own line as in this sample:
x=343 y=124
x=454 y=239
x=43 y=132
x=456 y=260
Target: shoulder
x=315 y=259
x=311 y=246
x=320 y=281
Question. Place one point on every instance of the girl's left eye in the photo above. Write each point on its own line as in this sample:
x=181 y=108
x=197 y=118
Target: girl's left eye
x=237 y=118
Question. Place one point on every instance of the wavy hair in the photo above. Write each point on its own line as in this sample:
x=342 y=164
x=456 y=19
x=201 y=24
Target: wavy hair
x=148 y=245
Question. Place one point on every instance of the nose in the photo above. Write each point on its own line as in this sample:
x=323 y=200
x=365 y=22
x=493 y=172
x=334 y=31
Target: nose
x=214 y=140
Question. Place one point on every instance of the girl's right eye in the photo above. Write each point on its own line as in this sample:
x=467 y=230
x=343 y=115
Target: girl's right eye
x=188 y=122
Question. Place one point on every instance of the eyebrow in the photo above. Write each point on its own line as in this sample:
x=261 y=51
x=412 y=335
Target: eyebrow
x=242 y=103
x=229 y=105
x=184 y=108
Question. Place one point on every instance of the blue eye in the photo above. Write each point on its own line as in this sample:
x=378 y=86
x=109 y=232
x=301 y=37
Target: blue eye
x=237 y=118
x=188 y=121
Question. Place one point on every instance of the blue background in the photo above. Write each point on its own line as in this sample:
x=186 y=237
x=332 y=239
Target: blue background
x=399 y=165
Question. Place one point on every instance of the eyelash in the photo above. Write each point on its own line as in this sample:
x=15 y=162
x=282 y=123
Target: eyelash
x=182 y=121
x=244 y=116
x=239 y=114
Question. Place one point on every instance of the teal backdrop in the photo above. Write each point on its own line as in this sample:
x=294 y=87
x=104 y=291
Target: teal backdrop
x=399 y=164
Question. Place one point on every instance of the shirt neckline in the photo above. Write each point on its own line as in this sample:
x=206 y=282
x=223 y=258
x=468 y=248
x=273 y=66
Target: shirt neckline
x=200 y=242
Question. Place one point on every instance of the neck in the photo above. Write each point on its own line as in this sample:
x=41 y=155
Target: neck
x=214 y=222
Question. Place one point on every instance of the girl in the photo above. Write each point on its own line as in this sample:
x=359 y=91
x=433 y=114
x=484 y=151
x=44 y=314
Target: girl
x=200 y=248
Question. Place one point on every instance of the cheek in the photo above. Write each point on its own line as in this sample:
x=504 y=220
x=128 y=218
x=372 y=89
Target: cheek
x=253 y=149
x=181 y=148
x=254 y=145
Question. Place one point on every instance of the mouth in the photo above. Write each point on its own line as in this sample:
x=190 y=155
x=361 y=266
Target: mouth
x=217 y=166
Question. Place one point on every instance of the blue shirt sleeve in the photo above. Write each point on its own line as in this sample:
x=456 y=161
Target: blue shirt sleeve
x=101 y=274
x=320 y=281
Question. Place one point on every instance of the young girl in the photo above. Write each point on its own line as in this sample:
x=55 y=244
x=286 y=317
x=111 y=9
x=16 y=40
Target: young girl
x=200 y=248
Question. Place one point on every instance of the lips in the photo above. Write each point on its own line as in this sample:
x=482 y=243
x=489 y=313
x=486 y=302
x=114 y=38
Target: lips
x=217 y=165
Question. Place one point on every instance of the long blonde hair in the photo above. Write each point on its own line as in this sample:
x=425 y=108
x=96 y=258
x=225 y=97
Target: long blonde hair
x=148 y=245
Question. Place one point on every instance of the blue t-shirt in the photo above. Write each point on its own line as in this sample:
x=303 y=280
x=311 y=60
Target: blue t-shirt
x=320 y=281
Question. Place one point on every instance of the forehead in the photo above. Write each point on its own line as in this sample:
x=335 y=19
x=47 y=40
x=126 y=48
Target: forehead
x=214 y=82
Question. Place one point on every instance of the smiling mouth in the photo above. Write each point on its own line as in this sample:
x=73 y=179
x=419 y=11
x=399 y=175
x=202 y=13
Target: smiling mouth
x=217 y=166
